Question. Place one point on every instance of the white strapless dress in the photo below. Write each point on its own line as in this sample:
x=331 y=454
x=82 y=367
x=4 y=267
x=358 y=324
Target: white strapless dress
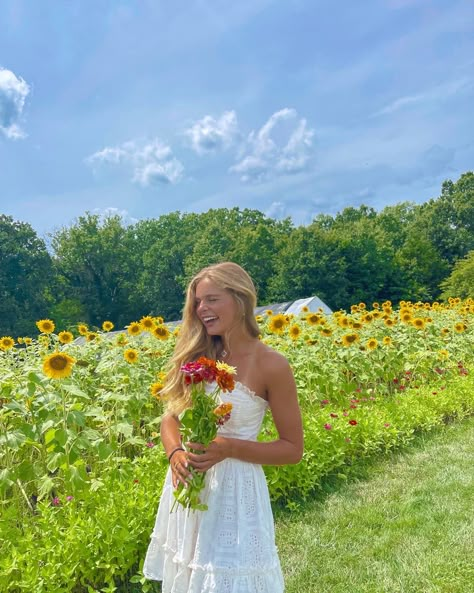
x=230 y=548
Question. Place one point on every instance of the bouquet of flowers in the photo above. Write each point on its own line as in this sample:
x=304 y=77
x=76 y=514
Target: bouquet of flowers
x=200 y=422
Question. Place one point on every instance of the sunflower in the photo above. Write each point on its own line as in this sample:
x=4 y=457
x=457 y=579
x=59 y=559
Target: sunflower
x=258 y=318
x=83 y=329
x=107 y=326
x=371 y=344
x=161 y=332
x=65 y=337
x=28 y=341
x=343 y=321
x=91 y=336
x=312 y=318
x=121 y=340
x=443 y=353
x=460 y=327
x=134 y=329
x=419 y=323
x=159 y=320
x=46 y=326
x=356 y=325
x=367 y=318
x=349 y=339
x=277 y=324
x=405 y=317
x=58 y=365
x=361 y=306
x=294 y=331
x=444 y=331
x=268 y=312
x=155 y=389
x=354 y=308
x=376 y=314
x=6 y=343
x=147 y=323
x=326 y=332
x=389 y=322
x=387 y=341
x=19 y=340
x=131 y=355
x=305 y=309
x=375 y=305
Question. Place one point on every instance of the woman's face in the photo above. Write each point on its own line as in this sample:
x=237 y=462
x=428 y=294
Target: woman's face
x=215 y=307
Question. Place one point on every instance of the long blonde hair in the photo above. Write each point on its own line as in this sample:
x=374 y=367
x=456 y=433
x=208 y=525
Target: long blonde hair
x=193 y=340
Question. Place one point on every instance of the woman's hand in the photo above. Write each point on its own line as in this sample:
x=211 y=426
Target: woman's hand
x=203 y=458
x=179 y=468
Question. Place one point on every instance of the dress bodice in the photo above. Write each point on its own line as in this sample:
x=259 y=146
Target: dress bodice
x=248 y=410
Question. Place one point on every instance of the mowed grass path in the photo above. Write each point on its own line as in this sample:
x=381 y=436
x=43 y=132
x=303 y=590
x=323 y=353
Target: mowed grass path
x=404 y=524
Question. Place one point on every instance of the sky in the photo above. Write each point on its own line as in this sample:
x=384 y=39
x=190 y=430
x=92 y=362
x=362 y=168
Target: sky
x=294 y=108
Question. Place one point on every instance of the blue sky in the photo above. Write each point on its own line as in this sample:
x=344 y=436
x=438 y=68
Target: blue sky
x=294 y=107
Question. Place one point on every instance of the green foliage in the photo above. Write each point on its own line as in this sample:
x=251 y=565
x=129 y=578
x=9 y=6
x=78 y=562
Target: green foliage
x=461 y=280
x=25 y=272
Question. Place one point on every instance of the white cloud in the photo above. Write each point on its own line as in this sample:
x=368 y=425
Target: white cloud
x=209 y=134
x=112 y=211
x=13 y=93
x=152 y=163
x=279 y=147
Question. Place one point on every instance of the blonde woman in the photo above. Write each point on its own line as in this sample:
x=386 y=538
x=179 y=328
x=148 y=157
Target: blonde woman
x=230 y=547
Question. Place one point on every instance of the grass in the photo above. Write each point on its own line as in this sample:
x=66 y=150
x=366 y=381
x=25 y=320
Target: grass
x=402 y=524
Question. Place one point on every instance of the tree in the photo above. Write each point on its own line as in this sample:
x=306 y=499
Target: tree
x=460 y=283
x=25 y=273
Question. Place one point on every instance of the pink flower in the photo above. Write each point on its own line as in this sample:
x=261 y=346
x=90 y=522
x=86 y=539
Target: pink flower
x=353 y=406
x=328 y=426
x=150 y=444
x=56 y=502
x=387 y=424
x=69 y=498
x=324 y=402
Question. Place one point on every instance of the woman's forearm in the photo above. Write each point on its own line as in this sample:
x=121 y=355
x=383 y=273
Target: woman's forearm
x=279 y=452
x=170 y=435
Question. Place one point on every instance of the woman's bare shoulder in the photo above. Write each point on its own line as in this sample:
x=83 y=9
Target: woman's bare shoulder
x=271 y=361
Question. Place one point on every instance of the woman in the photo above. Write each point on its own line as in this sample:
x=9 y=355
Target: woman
x=230 y=548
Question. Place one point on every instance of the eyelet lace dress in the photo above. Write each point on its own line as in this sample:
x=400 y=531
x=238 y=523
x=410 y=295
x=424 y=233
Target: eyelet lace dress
x=230 y=548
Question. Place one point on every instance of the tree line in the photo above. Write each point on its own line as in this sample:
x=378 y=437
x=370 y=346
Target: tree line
x=102 y=269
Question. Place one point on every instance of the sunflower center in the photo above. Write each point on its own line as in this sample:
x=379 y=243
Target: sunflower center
x=58 y=363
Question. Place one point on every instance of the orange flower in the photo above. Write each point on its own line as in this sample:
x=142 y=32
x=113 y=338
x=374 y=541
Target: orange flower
x=223 y=409
x=225 y=381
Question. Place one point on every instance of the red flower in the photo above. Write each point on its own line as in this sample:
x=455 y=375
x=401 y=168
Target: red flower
x=328 y=426
x=352 y=422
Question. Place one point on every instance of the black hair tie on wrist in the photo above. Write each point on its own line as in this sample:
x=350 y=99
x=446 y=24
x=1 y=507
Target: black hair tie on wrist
x=173 y=452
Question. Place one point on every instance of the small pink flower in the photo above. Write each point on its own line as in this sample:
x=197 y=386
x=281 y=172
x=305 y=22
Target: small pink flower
x=69 y=498
x=387 y=424
x=324 y=402
x=345 y=413
x=328 y=426
x=150 y=445
x=353 y=406
x=56 y=502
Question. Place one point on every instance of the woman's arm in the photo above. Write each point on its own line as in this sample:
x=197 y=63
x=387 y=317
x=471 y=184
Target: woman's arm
x=171 y=439
x=283 y=401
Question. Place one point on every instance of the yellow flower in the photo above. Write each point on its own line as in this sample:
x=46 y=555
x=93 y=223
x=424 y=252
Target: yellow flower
x=371 y=344
x=277 y=323
x=227 y=368
x=356 y=325
x=269 y=312
x=294 y=331
x=159 y=320
x=134 y=329
x=58 y=365
x=176 y=330
x=419 y=323
x=6 y=343
x=91 y=336
x=444 y=331
x=349 y=339
x=28 y=341
x=305 y=309
x=375 y=305
x=131 y=355
x=65 y=337
x=155 y=389
x=387 y=341
x=460 y=327
x=312 y=318
x=405 y=317
x=161 y=332
x=46 y=326
x=19 y=340
x=147 y=323
x=361 y=306
x=223 y=409
x=83 y=329
x=389 y=322
x=367 y=318
x=443 y=353
x=326 y=332
x=107 y=326
x=343 y=321
x=258 y=318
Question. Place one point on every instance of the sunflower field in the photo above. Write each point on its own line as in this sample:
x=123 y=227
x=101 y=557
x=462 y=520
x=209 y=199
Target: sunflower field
x=81 y=465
